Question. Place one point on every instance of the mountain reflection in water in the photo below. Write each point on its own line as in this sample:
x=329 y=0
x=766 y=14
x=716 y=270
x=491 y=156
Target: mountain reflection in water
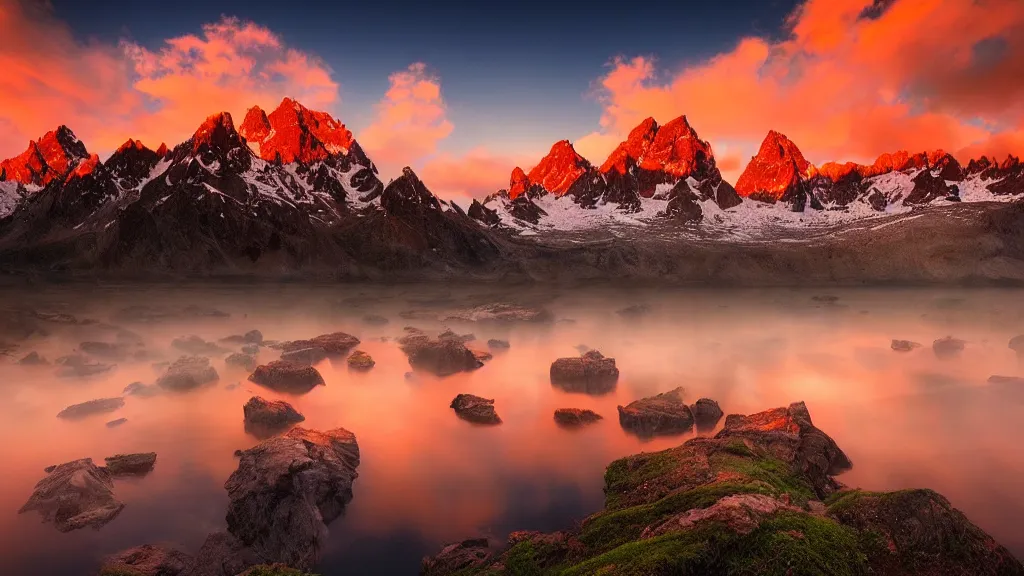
x=906 y=419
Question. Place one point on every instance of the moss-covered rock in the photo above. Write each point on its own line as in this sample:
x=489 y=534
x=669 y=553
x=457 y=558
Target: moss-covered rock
x=748 y=501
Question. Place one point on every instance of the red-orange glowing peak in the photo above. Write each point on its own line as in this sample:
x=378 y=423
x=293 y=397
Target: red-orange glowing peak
x=46 y=159
x=834 y=170
x=632 y=149
x=677 y=150
x=131 y=143
x=217 y=131
x=518 y=183
x=777 y=166
x=294 y=133
x=84 y=168
x=162 y=150
x=559 y=169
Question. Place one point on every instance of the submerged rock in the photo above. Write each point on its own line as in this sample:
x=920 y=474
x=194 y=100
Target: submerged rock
x=305 y=356
x=33 y=359
x=475 y=409
x=91 y=407
x=576 y=416
x=141 y=390
x=591 y=373
x=145 y=560
x=634 y=311
x=360 y=361
x=107 y=350
x=188 y=373
x=138 y=464
x=495 y=344
x=706 y=414
x=116 y=423
x=197 y=346
x=1017 y=344
x=285 y=376
x=265 y=418
x=334 y=344
x=501 y=313
x=75 y=365
x=665 y=413
x=948 y=347
x=286 y=491
x=243 y=361
x=1007 y=380
x=74 y=495
x=251 y=349
x=375 y=320
x=904 y=345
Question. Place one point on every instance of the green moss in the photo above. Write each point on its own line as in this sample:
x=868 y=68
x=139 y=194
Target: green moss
x=771 y=471
x=676 y=553
x=797 y=544
x=521 y=560
x=608 y=530
x=739 y=448
x=627 y=473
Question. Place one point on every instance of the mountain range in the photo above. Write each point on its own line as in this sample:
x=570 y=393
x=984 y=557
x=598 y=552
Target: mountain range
x=292 y=192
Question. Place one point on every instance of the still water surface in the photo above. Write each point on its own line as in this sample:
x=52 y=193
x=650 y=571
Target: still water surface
x=426 y=477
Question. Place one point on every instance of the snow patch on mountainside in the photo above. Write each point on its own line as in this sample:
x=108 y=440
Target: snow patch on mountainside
x=9 y=197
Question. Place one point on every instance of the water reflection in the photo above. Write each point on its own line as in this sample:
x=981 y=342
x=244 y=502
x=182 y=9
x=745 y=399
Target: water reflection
x=907 y=419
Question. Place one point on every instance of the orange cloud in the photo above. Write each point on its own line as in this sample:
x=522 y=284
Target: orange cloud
x=410 y=121
x=472 y=175
x=108 y=93
x=916 y=74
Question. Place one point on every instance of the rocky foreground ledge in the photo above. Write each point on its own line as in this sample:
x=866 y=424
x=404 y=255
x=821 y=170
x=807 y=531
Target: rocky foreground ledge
x=758 y=498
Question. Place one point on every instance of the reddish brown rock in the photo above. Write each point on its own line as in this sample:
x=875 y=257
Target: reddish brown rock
x=665 y=413
x=294 y=133
x=265 y=418
x=559 y=170
x=46 y=159
x=778 y=168
x=576 y=416
x=284 y=376
x=590 y=373
x=518 y=183
x=475 y=409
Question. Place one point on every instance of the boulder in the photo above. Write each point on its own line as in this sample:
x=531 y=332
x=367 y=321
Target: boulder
x=91 y=407
x=948 y=347
x=138 y=464
x=106 y=350
x=475 y=409
x=360 y=361
x=1017 y=344
x=289 y=377
x=575 y=417
x=75 y=495
x=197 y=346
x=457 y=558
x=145 y=560
x=334 y=344
x=33 y=359
x=116 y=423
x=251 y=349
x=495 y=344
x=243 y=361
x=305 y=356
x=265 y=418
x=706 y=414
x=441 y=357
x=286 y=491
x=140 y=389
x=74 y=365
x=188 y=373
x=221 y=554
x=665 y=413
x=591 y=373
x=904 y=345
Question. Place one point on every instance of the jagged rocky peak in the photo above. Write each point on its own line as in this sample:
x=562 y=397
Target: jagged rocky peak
x=162 y=150
x=46 y=159
x=778 y=168
x=294 y=133
x=407 y=195
x=629 y=152
x=132 y=162
x=560 y=169
x=679 y=152
x=216 y=144
x=84 y=167
x=518 y=183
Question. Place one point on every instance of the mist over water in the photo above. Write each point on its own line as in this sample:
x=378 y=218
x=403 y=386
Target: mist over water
x=426 y=477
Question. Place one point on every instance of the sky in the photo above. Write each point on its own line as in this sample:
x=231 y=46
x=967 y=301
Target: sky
x=464 y=93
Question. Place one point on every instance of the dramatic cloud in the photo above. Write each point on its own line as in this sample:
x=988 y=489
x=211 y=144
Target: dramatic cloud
x=854 y=78
x=472 y=175
x=410 y=121
x=108 y=93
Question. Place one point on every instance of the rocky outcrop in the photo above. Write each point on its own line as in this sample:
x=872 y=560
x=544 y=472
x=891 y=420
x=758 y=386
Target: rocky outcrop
x=756 y=497
x=665 y=413
x=244 y=361
x=305 y=356
x=75 y=495
x=904 y=345
x=45 y=160
x=501 y=312
x=195 y=345
x=706 y=414
x=360 y=361
x=91 y=408
x=496 y=344
x=591 y=373
x=777 y=172
x=948 y=347
x=334 y=344
x=573 y=417
x=266 y=418
x=188 y=373
x=286 y=491
x=556 y=172
x=475 y=409
x=294 y=133
x=439 y=356
x=146 y=560
x=284 y=376
x=138 y=464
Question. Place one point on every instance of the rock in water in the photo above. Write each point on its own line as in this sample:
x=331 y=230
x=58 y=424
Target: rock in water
x=495 y=344
x=502 y=313
x=251 y=349
x=591 y=373
x=634 y=311
x=948 y=347
x=116 y=423
x=138 y=464
x=460 y=557
x=243 y=361
x=904 y=345
x=287 y=489
x=575 y=416
x=284 y=376
x=375 y=320
x=441 y=357
x=221 y=555
x=98 y=406
x=140 y=389
x=33 y=359
x=334 y=344
x=475 y=409
x=665 y=413
x=195 y=345
x=188 y=373
x=360 y=361
x=706 y=414
x=75 y=495
x=146 y=560
x=305 y=356
x=265 y=418
x=1017 y=344
x=75 y=365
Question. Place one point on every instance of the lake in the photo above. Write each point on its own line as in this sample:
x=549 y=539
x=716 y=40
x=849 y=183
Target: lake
x=906 y=419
